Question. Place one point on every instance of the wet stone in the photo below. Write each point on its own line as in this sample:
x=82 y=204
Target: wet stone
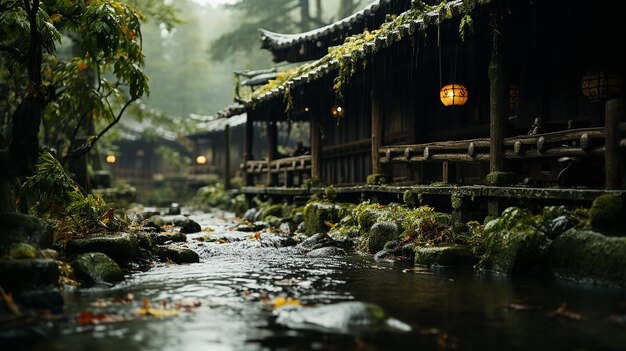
x=174 y=209
x=23 y=274
x=250 y=215
x=317 y=240
x=22 y=250
x=21 y=228
x=177 y=255
x=330 y=251
x=177 y=237
x=96 y=267
x=380 y=234
x=444 y=256
x=187 y=225
x=121 y=247
x=255 y=227
x=43 y=299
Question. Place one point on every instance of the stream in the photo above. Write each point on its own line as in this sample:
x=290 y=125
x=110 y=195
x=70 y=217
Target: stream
x=239 y=273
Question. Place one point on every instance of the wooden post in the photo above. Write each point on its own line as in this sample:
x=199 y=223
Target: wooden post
x=614 y=113
x=315 y=145
x=272 y=139
x=249 y=178
x=498 y=96
x=377 y=125
x=227 y=156
x=445 y=172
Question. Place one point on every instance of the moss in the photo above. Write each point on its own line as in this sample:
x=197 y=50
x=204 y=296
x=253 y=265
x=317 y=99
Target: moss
x=330 y=193
x=273 y=221
x=500 y=178
x=454 y=255
x=22 y=250
x=380 y=234
x=97 y=267
x=456 y=201
x=585 y=255
x=607 y=213
x=376 y=179
x=408 y=198
x=319 y=217
x=273 y=211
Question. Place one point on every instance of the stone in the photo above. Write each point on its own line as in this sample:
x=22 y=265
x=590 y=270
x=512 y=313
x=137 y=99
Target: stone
x=273 y=221
x=298 y=217
x=22 y=250
x=187 y=226
x=588 y=256
x=255 y=227
x=315 y=240
x=376 y=179
x=318 y=216
x=250 y=215
x=121 y=247
x=174 y=209
x=17 y=275
x=20 y=228
x=607 y=214
x=273 y=210
x=513 y=244
x=177 y=254
x=41 y=298
x=155 y=222
x=558 y=226
x=176 y=237
x=454 y=255
x=380 y=234
x=96 y=267
x=327 y=252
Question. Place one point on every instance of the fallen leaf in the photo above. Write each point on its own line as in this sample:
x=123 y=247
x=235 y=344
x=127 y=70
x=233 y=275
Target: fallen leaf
x=8 y=299
x=521 y=307
x=100 y=303
x=562 y=311
x=281 y=301
x=89 y=318
x=329 y=224
x=208 y=230
x=147 y=310
x=255 y=236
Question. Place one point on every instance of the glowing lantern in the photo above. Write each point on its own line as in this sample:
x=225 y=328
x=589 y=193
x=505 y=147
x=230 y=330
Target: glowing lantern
x=337 y=111
x=111 y=159
x=201 y=160
x=453 y=95
x=598 y=86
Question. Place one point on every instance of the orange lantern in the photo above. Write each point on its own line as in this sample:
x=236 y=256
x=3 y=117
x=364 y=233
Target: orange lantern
x=598 y=86
x=453 y=95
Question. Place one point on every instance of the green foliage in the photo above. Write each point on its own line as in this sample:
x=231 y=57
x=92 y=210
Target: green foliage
x=58 y=197
x=211 y=196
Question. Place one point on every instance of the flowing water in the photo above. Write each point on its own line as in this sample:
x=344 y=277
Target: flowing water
x=446 y=308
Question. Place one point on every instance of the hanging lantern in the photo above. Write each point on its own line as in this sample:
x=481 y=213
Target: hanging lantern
x=201 y=159
x=111 y=159
x=598 y=86
x=337 y=111
x=514 y=97
x=453 y=95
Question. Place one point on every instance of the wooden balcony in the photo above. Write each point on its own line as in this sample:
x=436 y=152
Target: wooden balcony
x=286 y=167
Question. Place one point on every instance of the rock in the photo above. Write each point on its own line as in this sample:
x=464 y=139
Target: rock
x=255 y=227
x=327 y=252
x=380 y=234
x=250 y=215
x=301 y=228
x=273 y=221
x=146 y=240
x=607 y=214
x=287 y=227
x=177 y=254
x=585 y=255
x=342 y=317
x=558 y=226
x=22 y=250
x=513 y=244
x=177 y=237
x=49 y=253
x=298 y=217
x=376 y=179
x=500 y=178
x=454 y=255
x=315 y=240
x=96 y=267
x=155 y=222
x=174 y=209
x=43 y=299
x=121 y=247
x=318 y=216
x=20 y=228
x=273 y=210
x=187 y=225
x=23 y=274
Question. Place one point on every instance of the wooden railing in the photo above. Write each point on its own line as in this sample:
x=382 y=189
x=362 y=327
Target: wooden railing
x=575 y=142
x=288 y=167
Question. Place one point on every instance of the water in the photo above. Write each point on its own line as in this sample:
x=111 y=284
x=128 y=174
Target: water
x=447 y=308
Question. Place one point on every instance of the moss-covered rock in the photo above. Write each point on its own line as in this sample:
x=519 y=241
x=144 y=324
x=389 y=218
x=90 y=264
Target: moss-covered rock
x=22 y=250
x=155 y=222
x=177 y=255
x=21 y=228
x=176 y=237
x=585 y=255
x=97 y=267
x=500 y=178
x=380 y=234
x=121 y=247
x=513 y=244
x=376 y=179
x=273 y=221
x=454 y=255
x=16 y=275
x=607 y=214
x=273 y=210
x=319 y=215
x=409 y=199
x=187 y=226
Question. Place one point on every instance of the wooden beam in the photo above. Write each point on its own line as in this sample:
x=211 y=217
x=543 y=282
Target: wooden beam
x=272 y=150
x=614 y=114
x=315 y=145
x=498 y=95
x=377 y=125
x=227 y=156
x=249 y=177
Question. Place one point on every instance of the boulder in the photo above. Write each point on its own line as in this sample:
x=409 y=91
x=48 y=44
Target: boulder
x=329 y=251
x=273 y=210
x=120 y=247
x=20 y=228
x=96 y=267
x=254 y=227
x=250 y=215
x=319 y=216
x=607 y=214
x=454 y=255
x=187 y=225
x=177 y=237
x=155 y=222
x=380 y=234
x=42 y=298
x=585 y=255
x=317 y=240
x=513 y=244
x=16 y=275
x=177 y=254
x=174 y=209
x=22 y=250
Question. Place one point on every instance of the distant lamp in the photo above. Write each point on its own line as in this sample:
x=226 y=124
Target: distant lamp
x=453 y=95
x=201 y=160
x=111 y=159
x=337 y=111
x=598 y=86
x=514 y=97
x=306 y=109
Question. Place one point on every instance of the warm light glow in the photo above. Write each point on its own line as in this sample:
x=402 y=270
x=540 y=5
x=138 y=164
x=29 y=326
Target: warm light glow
x=453 y=95
x=337 y=111
x=306 y=109
x=201 y=160
x=111 y=159
x=598 y=86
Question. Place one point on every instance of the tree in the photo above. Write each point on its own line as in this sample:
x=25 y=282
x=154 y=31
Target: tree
x=43 y=85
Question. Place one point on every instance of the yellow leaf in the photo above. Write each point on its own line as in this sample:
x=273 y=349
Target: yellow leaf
x=329 y=224
x=55 y=18
x=156 y=312
x=285 y=301
x=11 y=306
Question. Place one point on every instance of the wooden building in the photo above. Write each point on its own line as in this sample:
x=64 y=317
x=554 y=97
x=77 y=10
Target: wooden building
x=534 y=92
